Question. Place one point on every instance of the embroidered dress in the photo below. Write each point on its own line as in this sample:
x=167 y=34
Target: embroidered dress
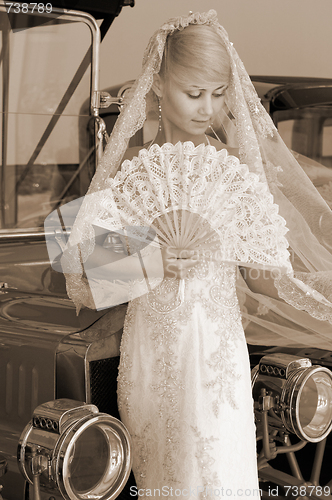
x=250 y=234
x=184 y=386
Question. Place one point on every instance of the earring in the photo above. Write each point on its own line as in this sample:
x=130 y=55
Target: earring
x=159 y=108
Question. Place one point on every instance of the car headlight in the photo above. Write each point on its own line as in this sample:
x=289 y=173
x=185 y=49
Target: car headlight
x=72 y=447
x=299 y=393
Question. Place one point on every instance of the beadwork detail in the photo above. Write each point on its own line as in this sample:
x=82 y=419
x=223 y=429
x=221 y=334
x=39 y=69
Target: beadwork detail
x=124 y=384
x=166 y=298
x=159 y=117
x=224 y=304
x=211 y=288
x=205 y=462
x=142 y=454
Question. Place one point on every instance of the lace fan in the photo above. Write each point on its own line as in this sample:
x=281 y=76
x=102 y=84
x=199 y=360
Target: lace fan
x=197 y=198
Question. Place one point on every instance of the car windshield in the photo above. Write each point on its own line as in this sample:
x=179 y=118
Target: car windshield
x=42 y=122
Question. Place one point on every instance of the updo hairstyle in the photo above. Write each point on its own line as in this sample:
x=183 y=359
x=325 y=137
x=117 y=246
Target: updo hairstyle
x=195 y=53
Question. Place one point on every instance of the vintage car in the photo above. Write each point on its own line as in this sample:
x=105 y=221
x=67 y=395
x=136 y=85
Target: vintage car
x=60 y=434
x=57 y=370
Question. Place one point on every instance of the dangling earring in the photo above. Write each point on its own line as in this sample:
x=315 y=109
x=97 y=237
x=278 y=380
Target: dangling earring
x=159 y=108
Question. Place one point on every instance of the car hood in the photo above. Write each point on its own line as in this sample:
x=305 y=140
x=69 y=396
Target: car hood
x=43 y=313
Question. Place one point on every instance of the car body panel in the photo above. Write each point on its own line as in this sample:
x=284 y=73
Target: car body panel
x=47 y=351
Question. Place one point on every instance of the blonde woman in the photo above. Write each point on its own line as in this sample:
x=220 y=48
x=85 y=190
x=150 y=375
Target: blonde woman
x=184 y=389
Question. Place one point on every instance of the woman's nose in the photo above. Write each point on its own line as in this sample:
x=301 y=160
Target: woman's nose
x=207 y=108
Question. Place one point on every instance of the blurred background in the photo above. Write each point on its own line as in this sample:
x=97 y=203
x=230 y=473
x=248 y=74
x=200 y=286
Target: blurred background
x=272 y=37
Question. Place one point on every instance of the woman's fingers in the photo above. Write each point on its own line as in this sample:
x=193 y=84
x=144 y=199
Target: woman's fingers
x=178 y=261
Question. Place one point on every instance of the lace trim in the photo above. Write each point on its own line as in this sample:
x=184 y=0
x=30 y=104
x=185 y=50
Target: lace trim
x=304 y=298
x=125 y=386
x=168 y=385
x=172 y=450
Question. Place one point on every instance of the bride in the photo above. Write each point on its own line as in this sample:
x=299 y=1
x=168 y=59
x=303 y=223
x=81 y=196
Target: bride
x=184 y=389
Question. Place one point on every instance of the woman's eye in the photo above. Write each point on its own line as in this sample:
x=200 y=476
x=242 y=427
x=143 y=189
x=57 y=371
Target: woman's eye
x=197 y=96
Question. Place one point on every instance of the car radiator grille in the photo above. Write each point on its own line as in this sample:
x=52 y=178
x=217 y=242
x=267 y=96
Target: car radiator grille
x=103 y=384
x=103 y=376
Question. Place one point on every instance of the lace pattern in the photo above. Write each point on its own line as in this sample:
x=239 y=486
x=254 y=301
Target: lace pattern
x=205 y=462
x=302 y=294
x=189 y=370
x=125 y=385
x=142 y=454
x=132 y=119
x=231 y=203
x=260 y=147
x=154 y=345
x=223 y=302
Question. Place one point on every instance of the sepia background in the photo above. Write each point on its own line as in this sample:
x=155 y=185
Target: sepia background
x=272 y=37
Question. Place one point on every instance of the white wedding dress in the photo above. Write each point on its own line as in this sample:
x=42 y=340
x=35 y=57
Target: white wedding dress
x=184 y=386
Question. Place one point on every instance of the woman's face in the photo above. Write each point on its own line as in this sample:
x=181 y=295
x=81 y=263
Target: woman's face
x=189 y=108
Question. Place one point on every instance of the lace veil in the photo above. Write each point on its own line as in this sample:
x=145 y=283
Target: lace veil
x=308 y=217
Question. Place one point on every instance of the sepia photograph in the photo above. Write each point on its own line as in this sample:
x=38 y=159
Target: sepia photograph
x=166 y=249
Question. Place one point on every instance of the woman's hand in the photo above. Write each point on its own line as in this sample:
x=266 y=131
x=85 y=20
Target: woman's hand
x=178 y=261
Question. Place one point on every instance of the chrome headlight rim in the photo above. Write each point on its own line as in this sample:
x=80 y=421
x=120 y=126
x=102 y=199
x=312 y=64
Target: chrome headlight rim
x=94 y=448
x=62 y=456
x=291 y=396
x=22 y=445
x=254 y=375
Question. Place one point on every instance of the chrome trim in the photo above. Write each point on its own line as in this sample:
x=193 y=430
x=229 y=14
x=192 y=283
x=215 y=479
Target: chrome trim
x=64 y=412
x=281 y=364
x=33 y=234
x=116 y=436
x=297 y=382
x=105 y=100
x=90 y=21
x=283 y=379
x=254 y=375
x=49 y=454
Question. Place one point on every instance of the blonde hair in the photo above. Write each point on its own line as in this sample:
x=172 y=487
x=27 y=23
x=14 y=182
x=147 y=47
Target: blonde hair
x=196 y=51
